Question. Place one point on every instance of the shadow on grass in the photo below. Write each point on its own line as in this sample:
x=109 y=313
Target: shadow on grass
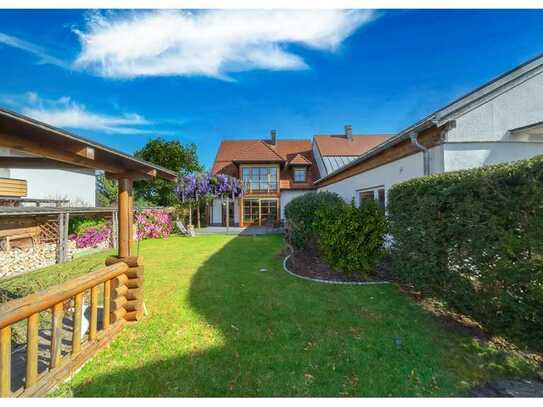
x=264 y=333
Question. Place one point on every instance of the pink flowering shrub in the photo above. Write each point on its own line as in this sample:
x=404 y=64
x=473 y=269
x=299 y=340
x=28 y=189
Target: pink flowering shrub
x=153 y=224
x=92 y=236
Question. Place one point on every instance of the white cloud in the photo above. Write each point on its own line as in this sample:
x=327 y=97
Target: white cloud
x=210 y=43
x=36 y=50
x=66 y=113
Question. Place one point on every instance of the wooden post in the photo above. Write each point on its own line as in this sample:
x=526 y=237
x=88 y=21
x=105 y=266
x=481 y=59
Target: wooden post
x=78 y=315
x=32 y=349
x=198 y=215
x=65 y=237
x=114 y=230
x=60 y=235
x=107 y=303
x=241 y=212
x=56 y=334
x=93 y=328
x=5 y=361
x=227 y=214
x=124 y=217
x=131 y=214
x=129 y=305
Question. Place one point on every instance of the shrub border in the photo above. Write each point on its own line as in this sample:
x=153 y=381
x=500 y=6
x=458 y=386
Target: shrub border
x=318 y=280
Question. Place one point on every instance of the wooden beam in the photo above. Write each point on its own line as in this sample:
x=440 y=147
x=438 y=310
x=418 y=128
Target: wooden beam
x=48 y=151
x=125 y=186
x=36 y=163
x=86 y=151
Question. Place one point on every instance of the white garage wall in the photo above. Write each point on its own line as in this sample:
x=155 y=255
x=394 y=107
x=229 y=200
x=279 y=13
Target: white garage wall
x=460 y=156
x=286 y=197
x=386 y=175
x=79 y=186
x=517 y=107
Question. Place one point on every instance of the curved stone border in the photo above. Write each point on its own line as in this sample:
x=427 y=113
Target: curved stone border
x=318 y=280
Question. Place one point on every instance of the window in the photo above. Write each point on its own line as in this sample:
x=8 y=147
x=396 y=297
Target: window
x=300 y=174
x=375 y=194
x=259 y=179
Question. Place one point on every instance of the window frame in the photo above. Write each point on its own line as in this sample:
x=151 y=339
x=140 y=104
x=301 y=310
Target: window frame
x=376 y=195
x=260 y=178
x=294 y=170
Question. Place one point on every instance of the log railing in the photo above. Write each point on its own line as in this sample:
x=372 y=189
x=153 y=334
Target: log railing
x=119 y=287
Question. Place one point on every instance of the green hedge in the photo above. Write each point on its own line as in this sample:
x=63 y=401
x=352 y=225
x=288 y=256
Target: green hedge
x=475 y=239
x=349 y=238
x=300 y=214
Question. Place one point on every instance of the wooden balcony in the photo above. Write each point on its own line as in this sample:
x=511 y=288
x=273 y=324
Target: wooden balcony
x=10 y=187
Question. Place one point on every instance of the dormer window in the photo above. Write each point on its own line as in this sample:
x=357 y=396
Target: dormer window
x=300 y=174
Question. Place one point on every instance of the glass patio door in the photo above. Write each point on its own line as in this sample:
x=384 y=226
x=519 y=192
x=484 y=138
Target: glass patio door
x=268 y=212
x=251 y=211
x=260 y=211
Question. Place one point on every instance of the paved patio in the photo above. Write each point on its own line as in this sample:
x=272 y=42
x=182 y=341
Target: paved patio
x=245 y=231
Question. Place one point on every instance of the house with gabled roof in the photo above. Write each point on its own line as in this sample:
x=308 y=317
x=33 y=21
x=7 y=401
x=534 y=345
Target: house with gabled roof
x=501 y=121
x=272 y=172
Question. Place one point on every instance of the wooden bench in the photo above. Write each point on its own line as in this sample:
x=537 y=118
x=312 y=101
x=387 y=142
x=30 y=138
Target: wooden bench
x=8 y=235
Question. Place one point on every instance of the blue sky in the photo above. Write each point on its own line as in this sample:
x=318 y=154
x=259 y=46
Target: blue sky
x=122 y=78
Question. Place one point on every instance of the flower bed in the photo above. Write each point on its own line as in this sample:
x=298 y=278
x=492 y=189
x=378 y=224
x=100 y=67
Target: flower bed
x=153 y=224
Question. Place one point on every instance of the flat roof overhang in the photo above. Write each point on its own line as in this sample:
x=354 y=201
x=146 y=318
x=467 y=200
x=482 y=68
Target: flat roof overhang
x=54 y=145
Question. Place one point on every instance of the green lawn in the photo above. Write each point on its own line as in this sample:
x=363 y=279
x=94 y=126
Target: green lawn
x=217 y=326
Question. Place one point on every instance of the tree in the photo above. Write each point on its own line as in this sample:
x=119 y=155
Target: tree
x=106 y=190
x=172 y=155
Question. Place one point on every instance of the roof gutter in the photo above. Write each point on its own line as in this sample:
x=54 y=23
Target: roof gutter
x=425 y=152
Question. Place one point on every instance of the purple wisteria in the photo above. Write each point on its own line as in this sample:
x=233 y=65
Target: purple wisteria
x=197 y=187
x=205 y=187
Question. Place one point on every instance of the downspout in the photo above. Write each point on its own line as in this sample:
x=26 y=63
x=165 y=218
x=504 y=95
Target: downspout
x=425 y=152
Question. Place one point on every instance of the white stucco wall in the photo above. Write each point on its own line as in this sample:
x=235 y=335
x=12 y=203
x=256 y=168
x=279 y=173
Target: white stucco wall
x=79 y=186
x=459 y=156
x=318 y=159
x=286 y=197
x=386 y=175
x=517 y=107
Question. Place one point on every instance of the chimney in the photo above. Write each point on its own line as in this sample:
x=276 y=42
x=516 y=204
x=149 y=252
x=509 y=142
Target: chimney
x=349 y=132
x=273 y=139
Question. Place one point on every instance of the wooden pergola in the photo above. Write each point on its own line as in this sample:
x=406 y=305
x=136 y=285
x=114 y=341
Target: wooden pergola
x=50 y=147
x=120 y=282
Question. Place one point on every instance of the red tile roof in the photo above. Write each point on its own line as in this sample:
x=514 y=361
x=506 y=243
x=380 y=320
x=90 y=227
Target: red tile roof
x=339 y=145
x=299 y=159
x=233 y=152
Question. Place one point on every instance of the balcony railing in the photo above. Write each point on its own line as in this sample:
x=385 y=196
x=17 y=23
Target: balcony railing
x=260 y=187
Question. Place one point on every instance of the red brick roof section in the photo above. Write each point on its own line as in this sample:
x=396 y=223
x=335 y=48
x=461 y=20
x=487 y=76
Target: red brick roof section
x=339 y=145
x=234 y=152
x=299 y=160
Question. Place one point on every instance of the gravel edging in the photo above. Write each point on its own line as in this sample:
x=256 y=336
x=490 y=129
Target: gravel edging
x=318 y=280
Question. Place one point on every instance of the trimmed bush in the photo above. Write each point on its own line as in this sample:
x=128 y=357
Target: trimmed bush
x=350 y=238
x=300 y=214
x=475 y=240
